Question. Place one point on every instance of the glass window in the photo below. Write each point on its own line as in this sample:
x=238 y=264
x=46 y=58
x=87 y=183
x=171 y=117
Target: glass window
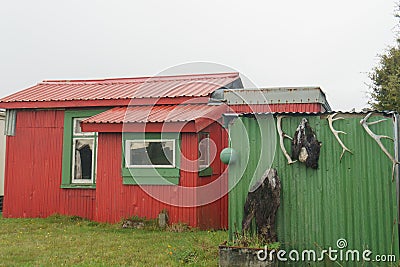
x=151 y=158
x=204 y=150
x=83 y=154
x=77 y=127
x=83 y=159
x=79 y=150
x=150 y=153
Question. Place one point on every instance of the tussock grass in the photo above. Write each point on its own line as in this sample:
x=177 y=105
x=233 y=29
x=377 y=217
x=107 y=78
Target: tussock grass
x=73 y=241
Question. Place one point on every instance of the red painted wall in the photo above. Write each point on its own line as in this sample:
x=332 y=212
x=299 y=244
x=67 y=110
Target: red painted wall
x=215 y=214
x=33 y=170
x=33 y=178
x=116 y=201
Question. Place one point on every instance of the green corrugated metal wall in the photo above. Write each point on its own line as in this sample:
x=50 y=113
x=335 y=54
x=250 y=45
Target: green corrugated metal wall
x=353 y=199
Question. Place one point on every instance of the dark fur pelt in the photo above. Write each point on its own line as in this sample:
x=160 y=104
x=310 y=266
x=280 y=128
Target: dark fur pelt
x=262 y=203
x=305 y=145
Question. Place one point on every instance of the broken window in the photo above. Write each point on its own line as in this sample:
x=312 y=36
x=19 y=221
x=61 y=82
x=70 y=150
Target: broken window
x=79 y=150
x=83 y=154
x=150 y=153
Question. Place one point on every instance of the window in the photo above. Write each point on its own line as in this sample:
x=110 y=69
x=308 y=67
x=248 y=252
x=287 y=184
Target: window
x=204 y=155
x=204 y=150
x=84 y=152
x=79 y=151
x=150 y=153
x=151 y=158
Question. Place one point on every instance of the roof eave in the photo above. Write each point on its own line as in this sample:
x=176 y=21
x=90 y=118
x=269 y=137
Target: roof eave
x=102 y=102
x=151 y=127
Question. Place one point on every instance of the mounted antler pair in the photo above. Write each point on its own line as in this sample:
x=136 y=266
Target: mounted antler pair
x=364 y=122
x=331 y=119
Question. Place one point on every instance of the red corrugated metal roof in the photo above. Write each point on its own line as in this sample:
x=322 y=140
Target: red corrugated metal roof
x=111 y=89
x=160 y=113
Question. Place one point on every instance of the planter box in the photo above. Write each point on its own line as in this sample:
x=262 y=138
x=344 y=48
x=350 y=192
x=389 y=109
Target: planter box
x=241 y=256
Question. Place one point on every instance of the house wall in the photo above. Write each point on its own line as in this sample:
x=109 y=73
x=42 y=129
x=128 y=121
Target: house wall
x=352 y=198
x=116 y=201
x=33 y=170
x=2 y=153
x=33 y=178
x=214 y=214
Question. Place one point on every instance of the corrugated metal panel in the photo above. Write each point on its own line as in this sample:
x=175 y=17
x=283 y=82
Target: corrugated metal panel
x=116 y=201
x=159 y=113
x=353 y=199
x=33 y=170
x=214 y=215
x=189 y=176
x=281 y=95
x=151 y=87
x=33 y=190
x=2 y=152
x=293 y=107
x=10 y=121
x=301 y=113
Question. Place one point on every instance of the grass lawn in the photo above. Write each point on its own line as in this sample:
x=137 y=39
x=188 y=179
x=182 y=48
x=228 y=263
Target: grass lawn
x=66 y=241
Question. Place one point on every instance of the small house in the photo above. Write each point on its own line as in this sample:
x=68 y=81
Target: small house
x=115 y=148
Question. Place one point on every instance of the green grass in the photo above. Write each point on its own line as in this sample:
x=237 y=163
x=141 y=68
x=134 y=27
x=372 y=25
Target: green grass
x=66 y=241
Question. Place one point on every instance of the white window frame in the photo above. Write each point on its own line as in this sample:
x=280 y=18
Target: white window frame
x=88 y=136
x=204 y=166
x=81 y=133
x=128 y=154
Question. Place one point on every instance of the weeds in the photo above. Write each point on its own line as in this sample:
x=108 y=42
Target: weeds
x=179 y=227
x=247 y=239
x=141 y=223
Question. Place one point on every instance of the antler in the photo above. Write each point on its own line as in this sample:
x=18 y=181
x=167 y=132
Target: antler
x=378 y=138
x=336 y=133
x=282 y=135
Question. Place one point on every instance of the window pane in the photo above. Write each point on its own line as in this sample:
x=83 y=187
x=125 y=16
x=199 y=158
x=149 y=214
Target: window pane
x=78 y=129
x=204 y=150
x=147 y=153
x=83 y=159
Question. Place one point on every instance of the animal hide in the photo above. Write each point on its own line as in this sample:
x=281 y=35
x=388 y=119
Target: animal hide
x=305 y=146
x=262 y=203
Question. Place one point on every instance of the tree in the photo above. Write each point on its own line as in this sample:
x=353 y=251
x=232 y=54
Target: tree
x=385 y=78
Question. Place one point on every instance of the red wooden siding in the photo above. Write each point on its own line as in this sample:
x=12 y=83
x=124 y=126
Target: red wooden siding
x=116 y=201
x=33 y=170
x=188 y=176
x=33 y=178
x=215 y=214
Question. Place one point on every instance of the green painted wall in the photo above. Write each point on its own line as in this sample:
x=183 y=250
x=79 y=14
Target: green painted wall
x=354 y=198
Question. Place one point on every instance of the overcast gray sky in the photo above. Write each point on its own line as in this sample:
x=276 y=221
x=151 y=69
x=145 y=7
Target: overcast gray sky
x=332 y=44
